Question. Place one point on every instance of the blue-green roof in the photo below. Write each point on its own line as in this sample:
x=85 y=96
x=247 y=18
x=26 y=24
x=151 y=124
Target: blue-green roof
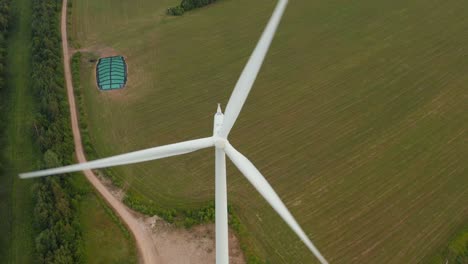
x=111 y=73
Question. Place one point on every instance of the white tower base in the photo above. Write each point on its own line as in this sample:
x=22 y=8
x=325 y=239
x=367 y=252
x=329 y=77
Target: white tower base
x=222 y=244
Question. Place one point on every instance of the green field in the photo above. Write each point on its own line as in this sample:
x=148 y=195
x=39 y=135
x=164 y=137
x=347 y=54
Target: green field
x=18 y=153
x=358 y=118
x=106 y=240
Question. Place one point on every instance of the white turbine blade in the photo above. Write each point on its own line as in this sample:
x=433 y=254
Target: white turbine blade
x=247 y=78
x=128 y=158
x=264 y=188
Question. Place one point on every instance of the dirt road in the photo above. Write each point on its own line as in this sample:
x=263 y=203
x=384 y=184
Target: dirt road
x=145 y=245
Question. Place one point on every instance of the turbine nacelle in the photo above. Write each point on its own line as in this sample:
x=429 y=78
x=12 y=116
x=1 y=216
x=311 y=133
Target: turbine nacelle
x=219 y=142
x=218 y=121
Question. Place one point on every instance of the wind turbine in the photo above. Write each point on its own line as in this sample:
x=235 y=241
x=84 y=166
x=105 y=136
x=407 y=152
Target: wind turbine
x=223 y=124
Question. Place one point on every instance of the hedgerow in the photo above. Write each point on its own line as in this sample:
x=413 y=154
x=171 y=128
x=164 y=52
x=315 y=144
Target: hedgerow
x=187 y=5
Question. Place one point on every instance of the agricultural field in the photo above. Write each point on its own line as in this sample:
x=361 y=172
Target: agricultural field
x=17 y=150
x=358 y=118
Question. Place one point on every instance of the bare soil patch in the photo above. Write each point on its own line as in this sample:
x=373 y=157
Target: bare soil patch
x=196 y=245
x=179 y=245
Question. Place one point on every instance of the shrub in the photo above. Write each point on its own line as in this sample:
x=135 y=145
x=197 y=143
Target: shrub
x=187 y=5
x=175 y=11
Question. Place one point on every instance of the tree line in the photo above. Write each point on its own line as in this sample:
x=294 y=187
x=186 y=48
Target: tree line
x=59 y=238
x=187 y=5
x=5 y=23
x=5 y=183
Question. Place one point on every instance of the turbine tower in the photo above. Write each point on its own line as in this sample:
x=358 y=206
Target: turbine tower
x=223 y=124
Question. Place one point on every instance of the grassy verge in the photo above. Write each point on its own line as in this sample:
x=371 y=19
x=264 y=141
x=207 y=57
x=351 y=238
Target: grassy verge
x=71 y=41
x=107 y=240
x=17 y=153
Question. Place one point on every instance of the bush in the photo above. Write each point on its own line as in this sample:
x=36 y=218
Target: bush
x=187 y=5
x=175 y=11
x=456 y=251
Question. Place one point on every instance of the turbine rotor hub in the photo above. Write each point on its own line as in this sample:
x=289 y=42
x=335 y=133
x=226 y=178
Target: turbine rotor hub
x=220 y=142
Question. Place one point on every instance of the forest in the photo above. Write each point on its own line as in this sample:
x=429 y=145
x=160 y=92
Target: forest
x=56 y=198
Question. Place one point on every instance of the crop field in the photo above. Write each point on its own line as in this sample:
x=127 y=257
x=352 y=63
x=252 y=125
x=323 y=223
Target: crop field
x=358 y=118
